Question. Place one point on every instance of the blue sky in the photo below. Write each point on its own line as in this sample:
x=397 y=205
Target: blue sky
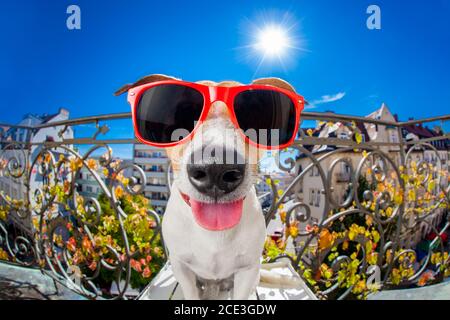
x=45 y=66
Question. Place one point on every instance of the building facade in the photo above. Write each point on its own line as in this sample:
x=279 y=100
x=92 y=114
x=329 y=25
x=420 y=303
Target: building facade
x=155 y=164
x=14 y=187
x=311 y=189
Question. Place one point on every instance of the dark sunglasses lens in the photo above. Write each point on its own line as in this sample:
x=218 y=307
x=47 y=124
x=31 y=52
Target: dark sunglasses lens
x=267 y=117
x=167 y=113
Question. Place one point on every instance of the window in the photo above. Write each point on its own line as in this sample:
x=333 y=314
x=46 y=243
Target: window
x=311 y=197
x=394 y=137
x=88 y=189
x=317 y=198
x=345 y=167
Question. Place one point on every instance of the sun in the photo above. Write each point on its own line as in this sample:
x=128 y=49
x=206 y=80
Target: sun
x=273 y=41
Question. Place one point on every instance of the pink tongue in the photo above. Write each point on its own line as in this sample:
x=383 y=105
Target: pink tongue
x=217 y=216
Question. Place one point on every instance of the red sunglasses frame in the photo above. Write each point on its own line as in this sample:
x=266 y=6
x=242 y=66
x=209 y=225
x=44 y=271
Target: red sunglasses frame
x=210 y=95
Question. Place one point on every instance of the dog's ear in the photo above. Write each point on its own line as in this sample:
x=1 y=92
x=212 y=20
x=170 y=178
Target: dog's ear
x=146 y=79
x=276 y=82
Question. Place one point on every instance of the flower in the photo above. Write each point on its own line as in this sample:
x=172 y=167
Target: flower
x=326 y=239
x=118 y=191
x=75 y=164
x=136 y=265
x=71 y=244
x=93 y=265
x=426 y=277
x=91 y=164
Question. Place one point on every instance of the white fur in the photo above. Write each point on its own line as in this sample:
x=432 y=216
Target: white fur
x=195 y=252
x=219 y=133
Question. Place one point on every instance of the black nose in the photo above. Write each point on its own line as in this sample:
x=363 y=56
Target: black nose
x=215 y=180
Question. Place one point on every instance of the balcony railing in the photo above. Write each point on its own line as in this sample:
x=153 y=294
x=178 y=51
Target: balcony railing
x=385 y=228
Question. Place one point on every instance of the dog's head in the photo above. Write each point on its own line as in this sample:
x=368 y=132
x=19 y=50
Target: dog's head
x=216 y=168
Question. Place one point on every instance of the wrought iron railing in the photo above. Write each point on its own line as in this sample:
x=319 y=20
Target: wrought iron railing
x=347 y=233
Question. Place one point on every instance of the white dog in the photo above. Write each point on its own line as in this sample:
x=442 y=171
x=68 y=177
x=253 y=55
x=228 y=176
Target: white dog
x=214 y=241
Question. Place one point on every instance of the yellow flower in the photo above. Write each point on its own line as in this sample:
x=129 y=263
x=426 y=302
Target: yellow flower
x=372 y=258
x=398 y=197
x=389 y=211
x=369 y=220
x=293 y=231
x=326 y=271
x=359 y=287
x=345 y=245
x=358 y=137
x=4 y=255
x=92 y=164
x=75 y=164
x=283 y=216
x=326 y=239
x=431 y=185
x=395 y=276
x=411 y=195
x=376 y=236
x=118 y=191
x=369 y=246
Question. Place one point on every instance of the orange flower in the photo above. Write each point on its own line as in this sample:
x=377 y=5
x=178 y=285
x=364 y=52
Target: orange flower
x=345 y=245
x=86 y=244
x=71 y=244
x=92 y=164
x=118 y=192
x=325 y=239
x=283 y=216
x=147 y=272
x=426 y=276
x=93 y=266
x=136 y=265
x=66 y=186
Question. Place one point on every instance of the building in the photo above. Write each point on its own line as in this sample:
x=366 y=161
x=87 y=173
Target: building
x=88 y=186
x=14 y=187
x=24 y=154
x=155 y=164
x=341 y=164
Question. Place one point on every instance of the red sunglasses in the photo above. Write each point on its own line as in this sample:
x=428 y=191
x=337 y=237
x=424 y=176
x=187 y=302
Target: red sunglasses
x=160 y=109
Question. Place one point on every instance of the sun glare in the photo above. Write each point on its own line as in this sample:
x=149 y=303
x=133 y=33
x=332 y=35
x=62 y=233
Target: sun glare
x=273 y=41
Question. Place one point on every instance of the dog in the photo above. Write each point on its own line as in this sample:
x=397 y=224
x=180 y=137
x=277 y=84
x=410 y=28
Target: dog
x=214 y=241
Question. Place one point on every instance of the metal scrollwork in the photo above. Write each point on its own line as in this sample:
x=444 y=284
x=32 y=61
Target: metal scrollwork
x=351 y=215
